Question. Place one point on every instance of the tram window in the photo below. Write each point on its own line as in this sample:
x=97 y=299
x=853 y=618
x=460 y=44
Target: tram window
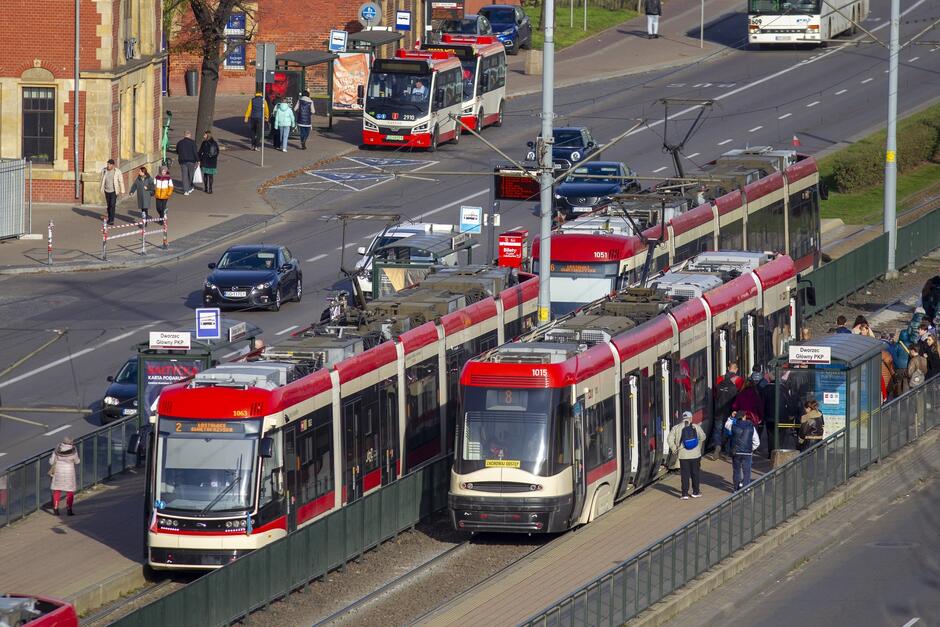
x=369 y=436
x=315 y=447
x=562 y=447
x=683 y=380
x=765 y=228
x=803 y=210
x=422 y=418
x=731 y=236
x=696 y=246
x=268 y=490
x=599 y=431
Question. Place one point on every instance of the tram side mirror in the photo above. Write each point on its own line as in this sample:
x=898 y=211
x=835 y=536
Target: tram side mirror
x=266 y=450
x=811 y=296
x=360 y=91
x=361 y=250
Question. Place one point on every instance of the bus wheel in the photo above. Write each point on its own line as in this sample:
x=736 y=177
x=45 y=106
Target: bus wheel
x=432 y=147
x=480 y=118
x=499 y=120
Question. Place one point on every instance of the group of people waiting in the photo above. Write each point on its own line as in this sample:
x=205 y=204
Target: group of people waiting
x=282 y=119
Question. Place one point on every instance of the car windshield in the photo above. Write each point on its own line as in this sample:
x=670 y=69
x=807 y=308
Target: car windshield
x=571 y=139
x=247 y=260
x=587 y=174
x=206 y=465
x=466 y=27
x=500 y=17
x=780 y=7
x=128 y=373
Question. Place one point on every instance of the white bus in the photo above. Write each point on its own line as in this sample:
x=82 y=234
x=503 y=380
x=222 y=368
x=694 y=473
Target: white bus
x=771 y=22
x=483 y=58
x=413 y=100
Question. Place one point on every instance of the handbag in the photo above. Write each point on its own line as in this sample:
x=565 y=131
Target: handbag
x=51 y=471
x=197 y=175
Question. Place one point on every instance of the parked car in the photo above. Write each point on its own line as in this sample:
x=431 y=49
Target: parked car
x=581 y=192
x=510 y=24
x=572 y=144
x=469 y=25
x=120 y=399
x=250 y=276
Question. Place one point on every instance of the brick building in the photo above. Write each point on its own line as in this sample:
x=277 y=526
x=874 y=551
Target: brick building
x=119 y=90
x=291 y=25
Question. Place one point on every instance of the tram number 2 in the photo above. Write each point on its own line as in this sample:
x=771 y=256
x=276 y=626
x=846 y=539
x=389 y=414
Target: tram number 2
x=540 y=372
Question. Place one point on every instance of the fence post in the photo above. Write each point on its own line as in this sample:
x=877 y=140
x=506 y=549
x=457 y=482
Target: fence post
x=49 y=244
x=165 y=216
x=104 y=238
x=143 y=236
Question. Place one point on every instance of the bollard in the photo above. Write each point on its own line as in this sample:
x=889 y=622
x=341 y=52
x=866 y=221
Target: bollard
x=104 y=239
x=49 y=245
x=165 y=244
x=143 y=236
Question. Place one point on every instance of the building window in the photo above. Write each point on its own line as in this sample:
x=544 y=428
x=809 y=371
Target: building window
x=39 y=124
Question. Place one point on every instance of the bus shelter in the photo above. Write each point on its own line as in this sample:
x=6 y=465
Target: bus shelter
x=351 y=68
x=842 y=373
x=290 y=78
x=171 y=356
x=407 y=261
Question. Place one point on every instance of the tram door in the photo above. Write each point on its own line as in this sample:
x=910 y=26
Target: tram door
x=579 y=487
x=292 y=467
x=353 y=416
x=649 y=427
x=388 y=430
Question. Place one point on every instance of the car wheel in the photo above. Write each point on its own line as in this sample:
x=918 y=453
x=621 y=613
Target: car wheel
x=277 y=300
x=499 y=120
x=433 y=145
x=515 y=48
x=299 y=292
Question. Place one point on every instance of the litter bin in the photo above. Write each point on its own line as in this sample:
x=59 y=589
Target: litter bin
x=192 y=82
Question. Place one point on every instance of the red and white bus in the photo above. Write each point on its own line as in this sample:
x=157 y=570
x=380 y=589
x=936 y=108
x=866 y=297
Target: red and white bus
x=413 y=100
x=483 y=58
x=554 y=429
x=769 y=202
x=245 y=452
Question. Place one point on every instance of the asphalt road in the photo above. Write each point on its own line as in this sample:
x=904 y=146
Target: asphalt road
x=825 y=97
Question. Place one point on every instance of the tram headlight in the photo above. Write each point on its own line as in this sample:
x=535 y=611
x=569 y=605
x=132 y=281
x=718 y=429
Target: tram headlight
x=535 y=487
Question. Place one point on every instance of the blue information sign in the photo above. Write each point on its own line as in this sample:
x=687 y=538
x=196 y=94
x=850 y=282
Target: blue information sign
x=208 y=323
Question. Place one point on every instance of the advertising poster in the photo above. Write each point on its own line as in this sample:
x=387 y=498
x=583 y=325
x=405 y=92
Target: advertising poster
x=155 y=374
x=349 y=71
x=286 y=86
x=830 y=393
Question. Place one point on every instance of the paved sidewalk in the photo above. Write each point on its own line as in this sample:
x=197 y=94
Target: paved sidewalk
x=200 y=220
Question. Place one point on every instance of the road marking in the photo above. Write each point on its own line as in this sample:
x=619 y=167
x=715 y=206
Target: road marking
x=516 y=228
x=2 y=454
x=727 y=141
x=287 y=330
x=77 y=354
x=318 y=257
x=867 y=80
x=812 y=104
x=692 y=156
x=911 y=622
x=451 y=204
x=659 y=169
x=841 y=91
x=54 y=431
x=346 y=245
x=914 y=59
x=755 y=129
x=784 y=116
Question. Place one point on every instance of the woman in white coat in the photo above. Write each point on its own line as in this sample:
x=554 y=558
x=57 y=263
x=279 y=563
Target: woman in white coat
x=63 y=461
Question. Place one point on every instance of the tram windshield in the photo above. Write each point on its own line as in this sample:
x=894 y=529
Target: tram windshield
x=511 y=428
x=206 y=466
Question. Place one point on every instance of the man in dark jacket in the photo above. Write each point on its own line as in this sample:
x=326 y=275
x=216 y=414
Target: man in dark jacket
x=653 y=9
x=187 y=155
x=744 y=441
x=841 y=321
x=256 y=114
x=303 y=112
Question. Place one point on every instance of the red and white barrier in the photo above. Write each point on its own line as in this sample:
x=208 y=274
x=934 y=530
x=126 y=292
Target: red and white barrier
x=139 y=229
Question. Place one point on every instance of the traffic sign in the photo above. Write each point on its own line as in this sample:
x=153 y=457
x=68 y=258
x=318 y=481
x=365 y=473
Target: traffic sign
x=471 y=219
x=403 y=20
x=170 y=340
x=370 y=14
x=208 y=323
x=265 y=55
x=237 y=331
x=338 y=39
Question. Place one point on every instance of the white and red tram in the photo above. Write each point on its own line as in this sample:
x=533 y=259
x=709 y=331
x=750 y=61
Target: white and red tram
x=557 y=427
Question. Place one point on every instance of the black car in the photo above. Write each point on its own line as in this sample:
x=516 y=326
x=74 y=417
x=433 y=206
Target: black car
x=510 y=24
x=469 y=25
x=254 y=276
x=120 y=399
x=572 y=144
x=581 y=192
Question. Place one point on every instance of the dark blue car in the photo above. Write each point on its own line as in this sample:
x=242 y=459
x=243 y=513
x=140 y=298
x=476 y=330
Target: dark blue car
x=583 y=191
x=251 y=276
x=510 y=25
x=572 y=144
x=120 y=399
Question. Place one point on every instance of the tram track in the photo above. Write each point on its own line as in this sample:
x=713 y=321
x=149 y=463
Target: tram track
x=123 y=606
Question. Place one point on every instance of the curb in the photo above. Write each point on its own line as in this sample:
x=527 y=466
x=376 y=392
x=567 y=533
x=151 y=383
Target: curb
x=108 y=590
x=701 y=587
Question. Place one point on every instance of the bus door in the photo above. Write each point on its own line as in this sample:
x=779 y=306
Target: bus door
x=292 y=467
x=579 y=478
x=388 y=430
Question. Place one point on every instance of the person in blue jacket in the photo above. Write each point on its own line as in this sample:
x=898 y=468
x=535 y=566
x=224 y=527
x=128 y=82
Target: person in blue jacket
x=304 y=111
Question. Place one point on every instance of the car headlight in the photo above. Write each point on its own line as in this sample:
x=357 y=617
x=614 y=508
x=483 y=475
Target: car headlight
x=575 y=155
x=209 y=285
x=558 y=196
x=530 y=156
x=263 y=286
x=506 y=32
x=369 y=126
x=110 y=400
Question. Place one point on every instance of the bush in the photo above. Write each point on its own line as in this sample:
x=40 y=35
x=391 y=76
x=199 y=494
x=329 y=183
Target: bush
x=858 y=167
x=916 y=144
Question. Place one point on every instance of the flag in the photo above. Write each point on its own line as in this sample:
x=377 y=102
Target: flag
x=796 y=141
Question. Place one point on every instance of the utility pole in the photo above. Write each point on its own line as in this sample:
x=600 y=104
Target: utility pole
x=891 y=147
x=546 y=163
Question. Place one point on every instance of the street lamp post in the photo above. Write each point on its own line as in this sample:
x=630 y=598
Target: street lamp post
x=546 y=161
x=891 y=145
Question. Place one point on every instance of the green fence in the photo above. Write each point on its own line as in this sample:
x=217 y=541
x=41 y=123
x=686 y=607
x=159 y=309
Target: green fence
x=257 y=579
x=24 y=488
x=668 y=564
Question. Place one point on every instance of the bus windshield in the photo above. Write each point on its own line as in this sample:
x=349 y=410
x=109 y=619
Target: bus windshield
x=406 y=93
x=506 y=428
x=206 y=466
x=783 y=7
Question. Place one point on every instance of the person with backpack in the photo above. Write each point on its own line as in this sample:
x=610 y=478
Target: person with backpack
x=916 y=367
x=208 y=160
x=744 y=441
x=812 y=425
x=726 y=390
x=687 y=440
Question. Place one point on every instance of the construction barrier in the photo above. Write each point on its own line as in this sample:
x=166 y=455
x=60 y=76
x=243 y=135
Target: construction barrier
x=139 y=230
x=49 y=242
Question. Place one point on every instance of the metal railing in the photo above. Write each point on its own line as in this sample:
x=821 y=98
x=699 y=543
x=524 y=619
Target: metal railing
x=255 y=580
x=666 y=565
x=24 y=487
x=15 y=197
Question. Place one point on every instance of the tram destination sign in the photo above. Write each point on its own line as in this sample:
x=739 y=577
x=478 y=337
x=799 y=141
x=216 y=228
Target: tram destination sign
x=810 y=355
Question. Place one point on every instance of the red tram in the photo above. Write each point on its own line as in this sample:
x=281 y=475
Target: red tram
x=555 y=428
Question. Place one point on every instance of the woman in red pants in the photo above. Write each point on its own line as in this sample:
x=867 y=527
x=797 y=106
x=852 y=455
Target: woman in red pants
x=63 y=462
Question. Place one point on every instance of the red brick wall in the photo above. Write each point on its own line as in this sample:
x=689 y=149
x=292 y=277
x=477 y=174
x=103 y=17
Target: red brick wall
x=68 y=131
x=32 y=31
x=53 y=191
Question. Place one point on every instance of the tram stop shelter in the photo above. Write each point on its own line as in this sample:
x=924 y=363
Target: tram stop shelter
x=408 y=260
x=371 y=40
x=292 y=67
x=842 y=372
x=171 y=356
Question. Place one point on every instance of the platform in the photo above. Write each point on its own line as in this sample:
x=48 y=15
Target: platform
x=576 y=558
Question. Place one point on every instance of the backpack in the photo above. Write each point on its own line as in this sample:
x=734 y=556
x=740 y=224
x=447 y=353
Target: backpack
x=725 y=393
x=213 y=150
x=689 y=437
x=900 y=355
x=917 y=378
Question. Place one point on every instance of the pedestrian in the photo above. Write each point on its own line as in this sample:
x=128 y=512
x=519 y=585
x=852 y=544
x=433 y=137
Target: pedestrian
x=143 y=187
x=188 y=157
x=726 y=390
x=654 y=9
x=255 y=115
x=812 y=424
x=888 y=384
x=63 y=461
x=806 y=334
x=687 y=440
x=112 y=184
x=744 y=441
x=933 y=356
x=163 y=189
x=208 y=160
x=930 y=297
x=861 y=327
x=748 y=400
x=305 y=112
x=283 y=122
x=916 y=367
x=768 y=393
x=841 y=321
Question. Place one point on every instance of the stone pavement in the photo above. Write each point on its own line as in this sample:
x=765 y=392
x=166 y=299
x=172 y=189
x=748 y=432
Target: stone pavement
x=200 y=220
